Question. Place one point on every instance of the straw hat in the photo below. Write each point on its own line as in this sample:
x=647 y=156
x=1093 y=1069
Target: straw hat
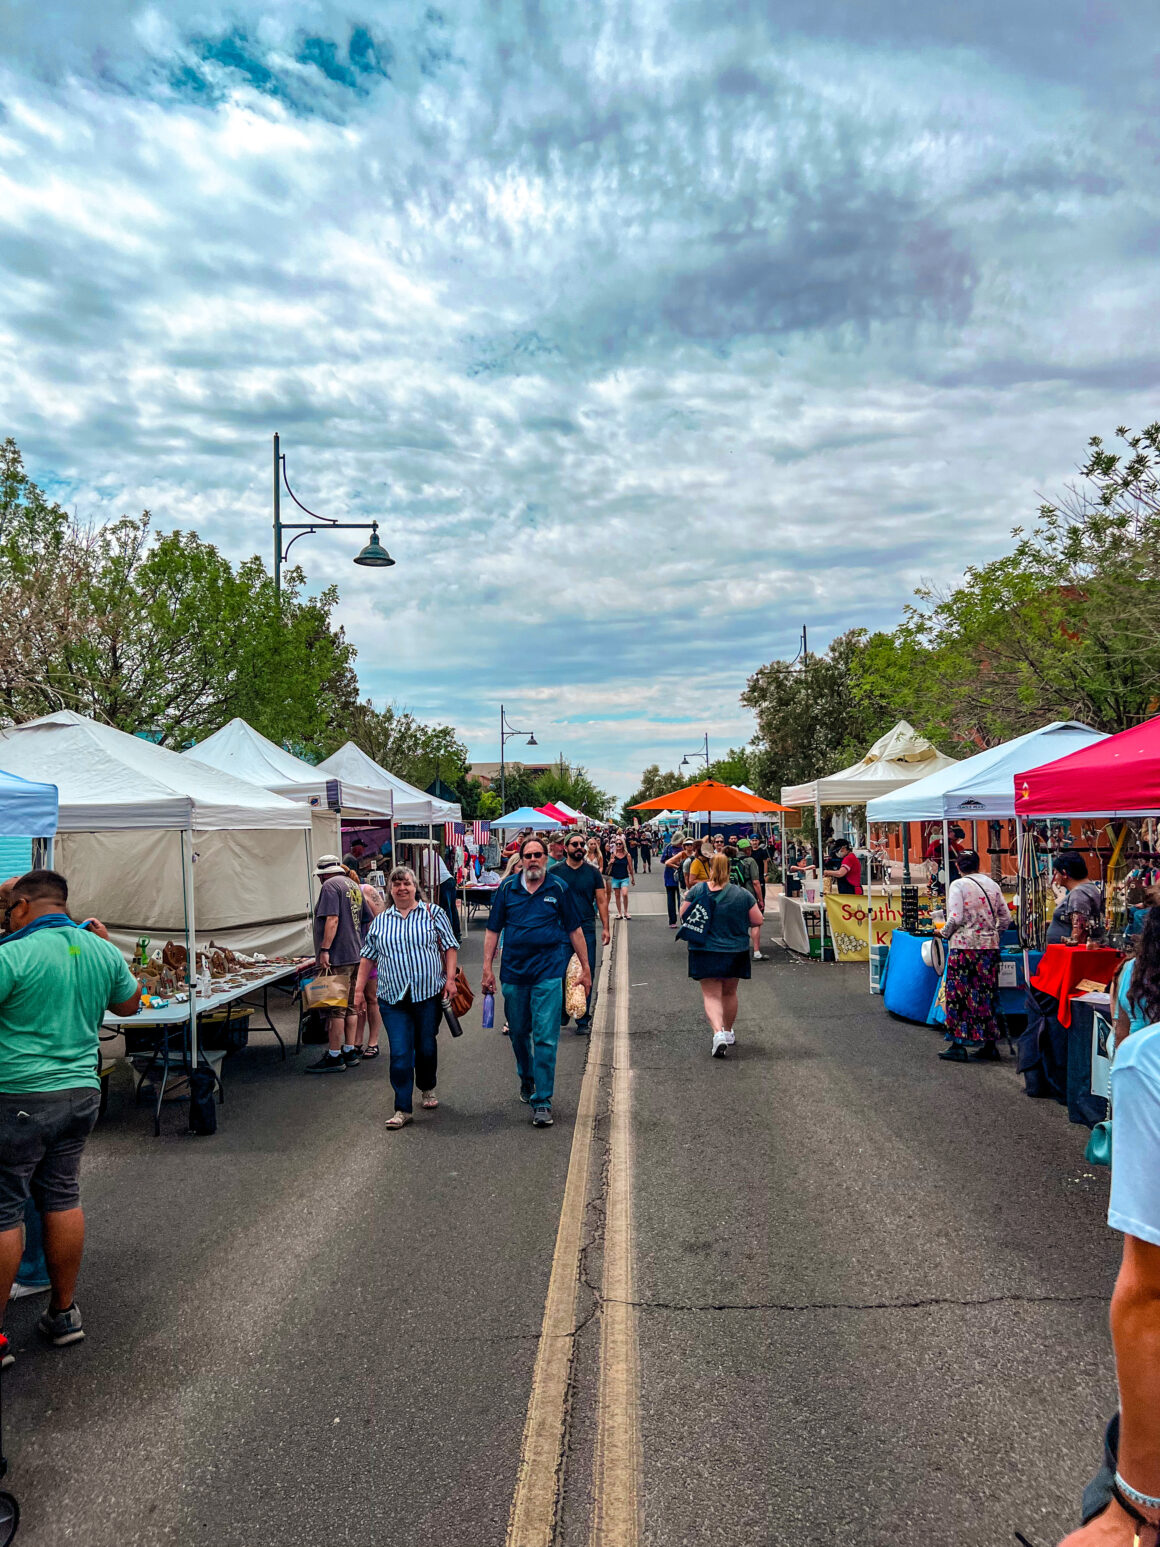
x=329 y=865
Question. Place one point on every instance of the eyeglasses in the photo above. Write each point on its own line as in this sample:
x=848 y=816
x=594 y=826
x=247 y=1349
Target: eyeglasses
x=533 y=853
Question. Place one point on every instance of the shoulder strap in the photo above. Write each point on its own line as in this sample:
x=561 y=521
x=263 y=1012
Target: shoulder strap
x=987 y=896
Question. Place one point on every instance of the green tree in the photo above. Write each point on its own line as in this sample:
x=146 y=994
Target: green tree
x=408 y=747
x=652 y=784
x=1066 y=626
x=158 y=633
x=810 y=720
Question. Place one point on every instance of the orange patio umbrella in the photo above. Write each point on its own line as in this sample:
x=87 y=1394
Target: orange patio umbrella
x=710 y=795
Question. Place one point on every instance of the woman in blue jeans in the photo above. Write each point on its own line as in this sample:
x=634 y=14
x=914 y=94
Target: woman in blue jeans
x=414 y=949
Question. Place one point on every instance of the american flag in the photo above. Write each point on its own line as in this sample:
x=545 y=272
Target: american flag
x=451 y=831
x=479 y=831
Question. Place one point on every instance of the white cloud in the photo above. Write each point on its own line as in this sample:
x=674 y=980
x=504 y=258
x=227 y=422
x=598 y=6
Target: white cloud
x=646 y=335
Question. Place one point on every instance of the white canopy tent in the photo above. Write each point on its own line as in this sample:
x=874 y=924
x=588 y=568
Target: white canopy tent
x=897 y=759
x=351 y=764
x=240 y=750
x=981 y=788
x=156 y=844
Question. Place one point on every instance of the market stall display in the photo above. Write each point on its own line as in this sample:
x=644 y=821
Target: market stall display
x=250 y=888
x=899 y=758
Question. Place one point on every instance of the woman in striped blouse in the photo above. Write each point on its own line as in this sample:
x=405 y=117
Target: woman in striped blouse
x=414 y=949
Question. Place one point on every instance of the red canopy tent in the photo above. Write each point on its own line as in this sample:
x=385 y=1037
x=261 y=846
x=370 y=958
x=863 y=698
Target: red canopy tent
x=556 y=814
x=1117 y=777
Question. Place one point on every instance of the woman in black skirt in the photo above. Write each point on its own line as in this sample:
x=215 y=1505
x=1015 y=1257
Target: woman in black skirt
x=721 y=957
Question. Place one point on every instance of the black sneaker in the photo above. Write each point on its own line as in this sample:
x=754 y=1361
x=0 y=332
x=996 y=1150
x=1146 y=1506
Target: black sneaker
x=351 y=1056
x=987 y=1054
x=541 y=1117
x=329 y=1063
x=955 y=1055
x=526 y=1093
x=583 y=1028
x=62 y=1327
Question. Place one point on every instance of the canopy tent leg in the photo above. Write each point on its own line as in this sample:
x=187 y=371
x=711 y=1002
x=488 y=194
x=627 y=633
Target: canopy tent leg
x=946 y=863
x=821 y=878
x=190 y=940
x=869 y=903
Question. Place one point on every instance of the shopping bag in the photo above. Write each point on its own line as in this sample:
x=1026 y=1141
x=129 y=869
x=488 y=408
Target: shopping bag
x=326 y=993
x=575 y=999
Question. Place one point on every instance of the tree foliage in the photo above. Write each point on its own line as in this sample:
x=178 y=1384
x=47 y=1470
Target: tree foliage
x=158 y=633
x=810 y=719
x=1066 y=626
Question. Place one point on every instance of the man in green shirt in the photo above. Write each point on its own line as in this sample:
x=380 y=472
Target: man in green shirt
x=57 y=979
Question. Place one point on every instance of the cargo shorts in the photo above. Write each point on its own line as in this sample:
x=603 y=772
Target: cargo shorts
x=42 y=1138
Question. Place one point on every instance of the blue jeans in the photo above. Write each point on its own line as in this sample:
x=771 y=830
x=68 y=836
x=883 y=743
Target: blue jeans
x=411 y=1027
x=533 y=1017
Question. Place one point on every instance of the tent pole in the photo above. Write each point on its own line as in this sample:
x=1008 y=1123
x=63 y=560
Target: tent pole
x=190 y=941
x=946 y=864
x=1022 y=892
x=869 y=901
x=821 y=877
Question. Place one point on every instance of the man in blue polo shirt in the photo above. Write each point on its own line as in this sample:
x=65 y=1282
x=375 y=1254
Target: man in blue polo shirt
x=541 y=927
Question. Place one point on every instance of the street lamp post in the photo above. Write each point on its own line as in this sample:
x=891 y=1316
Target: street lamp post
x=506 y=732
x=705 y=755
x=373 y=556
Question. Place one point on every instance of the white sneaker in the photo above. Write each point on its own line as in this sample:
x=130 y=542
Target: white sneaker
x=727 y=1033
x=721 y=1040
x=758 y=956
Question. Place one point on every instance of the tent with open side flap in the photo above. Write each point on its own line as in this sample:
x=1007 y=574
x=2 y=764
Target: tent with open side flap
x=240 y=750
x=27 y=809
x=156 y=844
x=351 y=763
x=895 y=760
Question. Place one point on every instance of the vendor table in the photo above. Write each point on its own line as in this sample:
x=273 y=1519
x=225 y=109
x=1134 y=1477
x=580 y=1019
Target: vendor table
x=171 y=1051
x=477 y=897
x=1090 y=1028
x=801 y=927
x=1063 y=966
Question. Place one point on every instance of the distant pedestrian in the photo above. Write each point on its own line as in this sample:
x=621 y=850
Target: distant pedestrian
x=671 y=857
x=593 y=854
x=341 y=917
x=845 y=869
x=719 y=956
x=413 y=953
x=369 y=1019
x=621 y=877
x=556 y=849
x=977 y=915
x=591 y=897
x=541 y=925
x=644 y=850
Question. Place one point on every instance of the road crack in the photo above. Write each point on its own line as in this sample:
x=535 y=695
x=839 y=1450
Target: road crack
x=933 y=1303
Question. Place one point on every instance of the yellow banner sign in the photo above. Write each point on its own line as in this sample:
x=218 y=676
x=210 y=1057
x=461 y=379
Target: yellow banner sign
x=849 y=922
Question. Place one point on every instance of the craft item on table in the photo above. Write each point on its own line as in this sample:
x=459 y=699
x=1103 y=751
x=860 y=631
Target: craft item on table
x=1089 y=986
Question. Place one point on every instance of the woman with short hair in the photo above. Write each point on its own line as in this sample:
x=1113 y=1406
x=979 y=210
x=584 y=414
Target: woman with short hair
x=414 y=950
x=1080 y=914
x=719 y=958
x=977 y=915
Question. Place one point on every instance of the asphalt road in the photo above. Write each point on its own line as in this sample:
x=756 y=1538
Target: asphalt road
x=873 y=1295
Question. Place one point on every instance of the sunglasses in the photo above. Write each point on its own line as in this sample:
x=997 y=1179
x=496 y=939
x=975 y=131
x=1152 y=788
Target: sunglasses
x=533 y=853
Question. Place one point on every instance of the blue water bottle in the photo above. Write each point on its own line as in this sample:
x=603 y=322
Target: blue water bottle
x=488 y=1011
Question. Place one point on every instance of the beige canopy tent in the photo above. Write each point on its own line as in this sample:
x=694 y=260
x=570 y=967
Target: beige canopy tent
x=157 y=844
x=894 y=761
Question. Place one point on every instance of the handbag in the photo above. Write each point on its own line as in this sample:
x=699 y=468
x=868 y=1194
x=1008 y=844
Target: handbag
x=1099 y=1145
x=462 y=998
x=326 y=993
x=699 y=919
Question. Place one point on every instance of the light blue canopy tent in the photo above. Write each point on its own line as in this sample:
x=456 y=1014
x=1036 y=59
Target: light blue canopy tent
x=27 y=810
x=527 y=816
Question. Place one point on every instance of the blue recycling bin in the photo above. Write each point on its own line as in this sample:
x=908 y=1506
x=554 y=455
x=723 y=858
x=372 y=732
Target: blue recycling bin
x=910 y=984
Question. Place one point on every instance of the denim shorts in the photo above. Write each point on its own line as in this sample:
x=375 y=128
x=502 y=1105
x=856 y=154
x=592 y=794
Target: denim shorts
x=618 y=883
x=42 y=1138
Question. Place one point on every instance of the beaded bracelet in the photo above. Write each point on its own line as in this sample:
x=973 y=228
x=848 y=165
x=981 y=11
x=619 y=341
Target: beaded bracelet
x=1143 y=1499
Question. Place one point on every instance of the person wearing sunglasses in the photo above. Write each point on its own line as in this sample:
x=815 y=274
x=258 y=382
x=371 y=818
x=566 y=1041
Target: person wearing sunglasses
x=541 y=926
x=591 y=896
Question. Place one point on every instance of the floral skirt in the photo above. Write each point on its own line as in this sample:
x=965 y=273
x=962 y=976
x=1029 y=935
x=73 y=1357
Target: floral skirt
x=972 y=994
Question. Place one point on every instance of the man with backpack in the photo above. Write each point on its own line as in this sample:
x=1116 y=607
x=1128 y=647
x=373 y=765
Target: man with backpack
x=744 y=872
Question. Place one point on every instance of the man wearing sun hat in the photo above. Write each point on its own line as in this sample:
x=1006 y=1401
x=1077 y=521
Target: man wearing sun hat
x=341 y=919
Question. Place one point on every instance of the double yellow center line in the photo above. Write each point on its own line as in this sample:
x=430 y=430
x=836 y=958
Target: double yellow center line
x=616 y=1471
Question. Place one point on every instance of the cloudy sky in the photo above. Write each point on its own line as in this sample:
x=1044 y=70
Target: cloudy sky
x=649 y=331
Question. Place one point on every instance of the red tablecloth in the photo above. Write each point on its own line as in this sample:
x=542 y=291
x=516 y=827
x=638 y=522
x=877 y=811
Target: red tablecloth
x=1063 y=966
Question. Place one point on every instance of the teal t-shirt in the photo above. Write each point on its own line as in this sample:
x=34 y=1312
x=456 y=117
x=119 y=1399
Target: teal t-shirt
x=55 y=986
x=730 y=928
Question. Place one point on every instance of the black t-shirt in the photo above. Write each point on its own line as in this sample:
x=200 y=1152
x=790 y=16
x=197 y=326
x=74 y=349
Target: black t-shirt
x=585 y=881
x=619 y=866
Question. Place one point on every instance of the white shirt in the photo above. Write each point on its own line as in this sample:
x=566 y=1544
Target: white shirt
x=1134 y=1205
